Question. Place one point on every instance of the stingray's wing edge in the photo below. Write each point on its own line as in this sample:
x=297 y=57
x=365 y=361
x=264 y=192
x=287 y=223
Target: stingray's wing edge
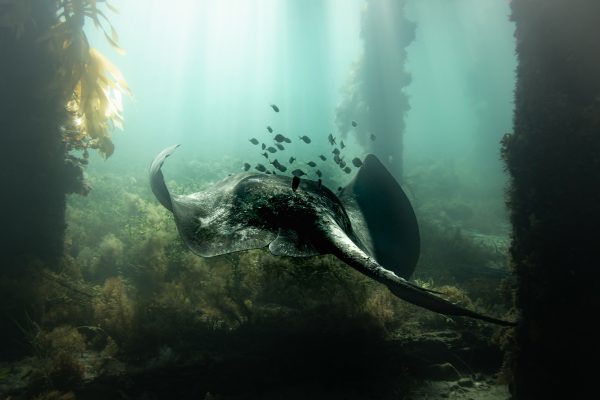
x=381 y=211
x=157 y=180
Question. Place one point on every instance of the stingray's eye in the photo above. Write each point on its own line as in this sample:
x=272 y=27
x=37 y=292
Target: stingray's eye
x=197 y=222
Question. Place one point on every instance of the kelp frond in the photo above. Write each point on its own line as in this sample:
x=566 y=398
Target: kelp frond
x=78 y=9
x=91 y=85
x=96 y=105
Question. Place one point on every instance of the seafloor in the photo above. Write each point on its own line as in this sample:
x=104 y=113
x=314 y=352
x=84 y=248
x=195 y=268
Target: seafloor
x=130 y=313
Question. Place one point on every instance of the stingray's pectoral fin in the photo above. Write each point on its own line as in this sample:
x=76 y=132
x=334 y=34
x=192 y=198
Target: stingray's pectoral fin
x=157 y=181
x=352 y=255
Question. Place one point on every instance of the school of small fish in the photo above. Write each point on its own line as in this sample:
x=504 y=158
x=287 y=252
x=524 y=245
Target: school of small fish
x=278 y=139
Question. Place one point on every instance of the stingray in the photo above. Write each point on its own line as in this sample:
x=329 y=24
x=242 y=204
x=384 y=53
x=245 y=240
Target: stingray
x=370 y=225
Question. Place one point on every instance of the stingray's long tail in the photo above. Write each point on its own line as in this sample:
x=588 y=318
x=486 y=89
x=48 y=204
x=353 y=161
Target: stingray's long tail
x=157 y=181
x=359 y=260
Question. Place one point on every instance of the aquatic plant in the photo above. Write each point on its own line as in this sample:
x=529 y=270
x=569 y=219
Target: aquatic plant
x=91 y=86
x=64 y=339
x=58 y=362
x=114 y=311
x=105 y=261
x=67 y=301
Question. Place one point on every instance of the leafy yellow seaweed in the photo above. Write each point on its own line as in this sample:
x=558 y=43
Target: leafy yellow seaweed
x=96 y=104
x=91 y=85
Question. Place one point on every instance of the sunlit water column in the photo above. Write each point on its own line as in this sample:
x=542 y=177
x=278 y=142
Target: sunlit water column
x=204 y=73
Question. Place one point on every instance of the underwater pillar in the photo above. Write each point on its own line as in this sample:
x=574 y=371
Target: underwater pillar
x=553 y=157
x=386 y=33
x=375 y=96
x=32 y=162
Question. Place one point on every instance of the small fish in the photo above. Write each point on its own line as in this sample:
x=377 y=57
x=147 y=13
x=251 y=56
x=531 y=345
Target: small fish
x=275 y=108
x=340 y=189
x=337 y=159
x=280 y=138
x=336 y=151
x=322 y=157
x=274 y=173
x=354 y=124
x=373 y=137
x=268 y=172
x=298 y=172
x=292 y=159
x=319 y=182
x=278 y=165
x=342 y=163
x=265 y=155
x=253 y=141
x=331 y=139
x=319 y=174
x=347 y=170
x=264 y=146
x=295 y=182
x=271 y=149
x=279 y=146
x=260 y=167
x=357 y=162
x=270 y=129
x=312 y=164
x=246 y=166
x=342 y=145
x=305 y=139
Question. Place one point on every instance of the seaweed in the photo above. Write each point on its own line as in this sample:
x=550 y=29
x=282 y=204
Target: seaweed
x=91 y=86
x=141 y=301
x=114 y=310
